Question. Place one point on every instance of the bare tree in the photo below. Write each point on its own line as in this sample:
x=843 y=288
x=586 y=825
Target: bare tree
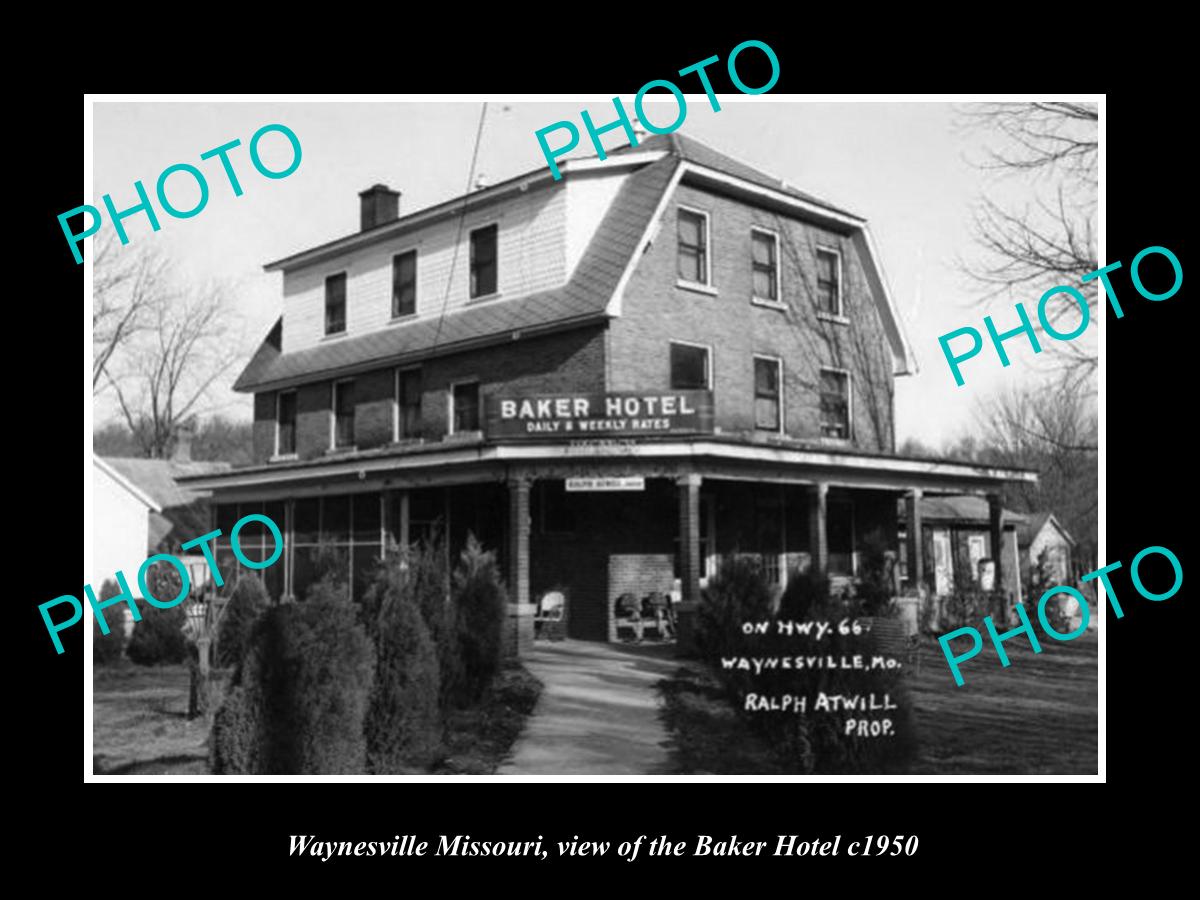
x=183 y=350
x=125 y=285
x=1051 y=240
x=853 y=341
x=1051 y=428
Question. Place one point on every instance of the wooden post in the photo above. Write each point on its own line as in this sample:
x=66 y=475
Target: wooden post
x=995 y=521
x=818 y=536
x=916 y=546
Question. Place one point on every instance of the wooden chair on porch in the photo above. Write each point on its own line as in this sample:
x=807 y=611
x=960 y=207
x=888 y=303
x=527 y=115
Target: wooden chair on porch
x=548 y=621
x=658 y=615
x=627 y=613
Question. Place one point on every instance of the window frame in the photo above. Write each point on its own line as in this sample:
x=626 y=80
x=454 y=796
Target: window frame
x=705 y=286
x=709 y=365
x=849 y=404
x=778 y=302
x=840 y=314
x=333 y=416
x=345 y=276
x=450 y=427
x=779 y=428
x=399 y=371
x=290 y=454
x=404 y=316
x=495 y=292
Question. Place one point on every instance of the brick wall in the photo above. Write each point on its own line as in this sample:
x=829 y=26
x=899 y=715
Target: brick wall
x=557 y=363
x=264 y=425
x=655 y=310
x=632 y=533
x=313 y=404
x=373 y=394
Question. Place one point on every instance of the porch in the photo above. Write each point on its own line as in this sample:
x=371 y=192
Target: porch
x=597 y=519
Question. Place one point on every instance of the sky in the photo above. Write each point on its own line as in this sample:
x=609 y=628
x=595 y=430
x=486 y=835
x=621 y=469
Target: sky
x=908 y=168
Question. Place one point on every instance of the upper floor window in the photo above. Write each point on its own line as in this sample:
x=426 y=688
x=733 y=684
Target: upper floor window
x=764 y=261
x=829 y=281
x=483 y=261
x=464 y=407
x=691 y=369
x=285 y=423
x=768 y=387
x=404 y=284
x=835 y=403
x=693 y=246
x=408 y=403
x=335 y=303
x=343 y=414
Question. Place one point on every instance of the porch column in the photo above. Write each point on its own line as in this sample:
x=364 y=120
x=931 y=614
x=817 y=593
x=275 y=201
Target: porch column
x=916 y=558
x=818 y=538
x=689 y=537
x=402 y=527
x=518 y=540
x=518 y=638
x=995 y=511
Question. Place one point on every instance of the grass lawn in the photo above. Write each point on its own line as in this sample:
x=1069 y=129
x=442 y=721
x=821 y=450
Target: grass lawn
x=140 y=724
x=1038 y=716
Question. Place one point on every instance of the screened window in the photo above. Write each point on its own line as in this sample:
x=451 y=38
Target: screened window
x=689 y=367
x=404 y=284
x=465 y=399
x=693 y=246
x=765 y=264
x=343 y=414
x=408 y=403
x=483 y=261
x=829 y=282
x=335 y=303
x=768 y=379
x=835 y=404
x=286 y=423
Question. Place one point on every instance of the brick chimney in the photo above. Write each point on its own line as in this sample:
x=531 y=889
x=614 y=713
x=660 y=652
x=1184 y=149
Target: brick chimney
x=183 y=441
x=380 y=204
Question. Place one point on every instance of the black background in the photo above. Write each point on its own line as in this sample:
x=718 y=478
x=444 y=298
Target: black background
x=971 y=834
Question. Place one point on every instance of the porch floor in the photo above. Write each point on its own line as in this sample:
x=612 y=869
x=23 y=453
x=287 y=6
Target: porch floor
x=598 y=713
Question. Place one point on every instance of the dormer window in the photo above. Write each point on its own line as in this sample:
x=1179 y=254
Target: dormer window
x=483 y=261
x=404 y=284
x=335 y=303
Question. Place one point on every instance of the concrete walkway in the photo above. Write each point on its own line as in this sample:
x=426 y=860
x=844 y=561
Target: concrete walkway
x=598 y=712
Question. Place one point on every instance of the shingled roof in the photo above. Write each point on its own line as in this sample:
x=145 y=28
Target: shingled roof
x=695 y=151
x=582 y=299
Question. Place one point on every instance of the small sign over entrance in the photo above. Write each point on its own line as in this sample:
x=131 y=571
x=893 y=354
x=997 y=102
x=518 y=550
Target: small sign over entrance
x=632 y=483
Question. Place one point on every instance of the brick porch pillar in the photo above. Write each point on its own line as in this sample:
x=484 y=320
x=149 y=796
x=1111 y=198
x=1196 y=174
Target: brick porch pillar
x=689 y=564
x=689 y=537
x=520 y=609
x=817 y=519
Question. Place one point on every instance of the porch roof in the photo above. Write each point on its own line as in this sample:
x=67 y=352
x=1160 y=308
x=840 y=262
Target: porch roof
x=711 y=456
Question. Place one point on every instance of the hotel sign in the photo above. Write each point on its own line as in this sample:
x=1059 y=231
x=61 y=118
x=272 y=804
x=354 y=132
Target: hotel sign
x=606 y=415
